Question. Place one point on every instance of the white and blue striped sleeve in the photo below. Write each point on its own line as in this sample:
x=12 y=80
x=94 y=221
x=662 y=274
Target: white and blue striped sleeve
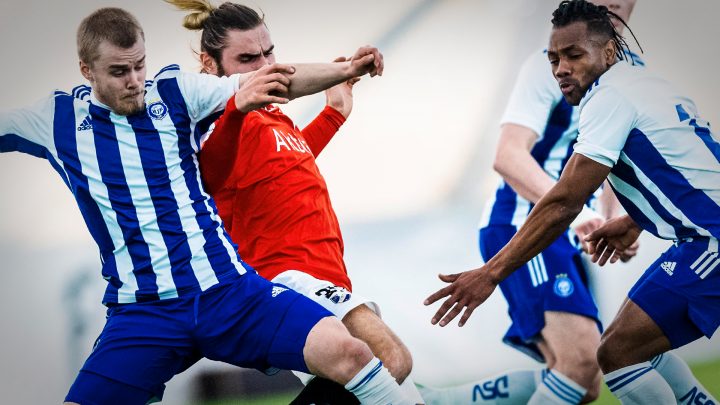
x=206 y=94
x=534 y=96
x=606 y=119
x=28 y=130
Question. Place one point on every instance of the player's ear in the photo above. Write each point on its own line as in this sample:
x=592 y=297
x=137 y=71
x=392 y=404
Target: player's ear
x=85 y=71
x=609 y=52
x=208 y=63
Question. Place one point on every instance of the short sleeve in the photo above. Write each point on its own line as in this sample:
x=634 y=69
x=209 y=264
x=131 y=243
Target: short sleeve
x=27 y=130
x=606 y=119
x=534 y=96
x=206 y=94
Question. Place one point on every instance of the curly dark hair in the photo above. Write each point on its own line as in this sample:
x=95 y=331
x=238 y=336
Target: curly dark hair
x=598 y=20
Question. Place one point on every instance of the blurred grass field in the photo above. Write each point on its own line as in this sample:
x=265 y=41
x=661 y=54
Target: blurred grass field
x=707 y=373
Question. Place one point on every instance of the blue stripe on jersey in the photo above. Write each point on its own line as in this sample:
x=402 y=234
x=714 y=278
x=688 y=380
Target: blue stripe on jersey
x=635 y=213
x=626 y=173
x=203 y=125
x=66 y=145
x=111 y=171
x=14 y=143
x=214 y=248
x=167 y=68
x=697 y=206
x=558 y=123
x=156 y=173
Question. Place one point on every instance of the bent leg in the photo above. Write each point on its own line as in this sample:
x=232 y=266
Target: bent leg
x=571 y=341
x=367 y=326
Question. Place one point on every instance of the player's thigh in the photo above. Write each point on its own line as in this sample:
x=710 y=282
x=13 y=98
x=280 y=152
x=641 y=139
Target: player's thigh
x=570 y=337
x=258 y=324
x=142 y=346
x=335 y=299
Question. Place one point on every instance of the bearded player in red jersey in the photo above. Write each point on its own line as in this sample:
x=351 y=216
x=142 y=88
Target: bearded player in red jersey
x=260 y=169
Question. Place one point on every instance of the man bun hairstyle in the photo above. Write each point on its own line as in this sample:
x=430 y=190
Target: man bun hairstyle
x=215 y=22
x=115 y=25
x=598 y=20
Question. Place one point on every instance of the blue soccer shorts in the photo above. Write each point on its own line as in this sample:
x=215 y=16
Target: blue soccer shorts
x=249 y=322
x=680 y=291
x=554 y=280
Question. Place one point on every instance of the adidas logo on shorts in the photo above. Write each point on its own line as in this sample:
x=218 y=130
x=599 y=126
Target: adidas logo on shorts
x=669 y=267
x=277 y=290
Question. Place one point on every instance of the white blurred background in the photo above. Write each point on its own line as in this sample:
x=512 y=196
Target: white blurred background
x=408 y=173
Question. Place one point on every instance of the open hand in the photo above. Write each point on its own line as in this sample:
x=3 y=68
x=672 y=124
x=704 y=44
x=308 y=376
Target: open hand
x=615 y=240
x=466 y=290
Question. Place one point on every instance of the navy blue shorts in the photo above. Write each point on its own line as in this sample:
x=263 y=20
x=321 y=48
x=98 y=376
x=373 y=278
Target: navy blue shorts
x=680 y=291
x=250 y=323
x=554 y=280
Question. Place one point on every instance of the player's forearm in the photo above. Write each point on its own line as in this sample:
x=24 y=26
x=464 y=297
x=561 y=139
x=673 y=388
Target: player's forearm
x=311 y=78
x=321 y=130
x=548 y=220
x=518 y=168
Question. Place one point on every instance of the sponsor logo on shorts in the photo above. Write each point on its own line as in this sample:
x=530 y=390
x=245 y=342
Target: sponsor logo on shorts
x=337 y=295
x=277 y=291
x=563 y=285
x=669 y=267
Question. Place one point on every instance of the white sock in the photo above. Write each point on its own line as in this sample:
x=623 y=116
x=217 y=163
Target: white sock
x=681 y=380
x=513 y=388
x=639 y=384
x=374 y=385
x=557 y=389
x=411 y=391
x=303 y=377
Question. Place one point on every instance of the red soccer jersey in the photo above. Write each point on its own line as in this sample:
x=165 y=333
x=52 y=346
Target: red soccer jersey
x=270 y=194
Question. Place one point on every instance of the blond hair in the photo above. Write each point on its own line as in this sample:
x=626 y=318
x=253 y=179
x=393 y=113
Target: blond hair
x=200 y=11
x=215 y=22
x=115 y=25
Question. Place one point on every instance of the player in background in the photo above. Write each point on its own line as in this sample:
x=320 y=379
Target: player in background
x=664 y=165
x=554 y=317
x=272 y=198
x=177 y=290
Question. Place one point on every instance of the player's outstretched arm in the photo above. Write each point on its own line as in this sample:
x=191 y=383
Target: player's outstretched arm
x=548 y=220
x=310 y=78
x=339 y=101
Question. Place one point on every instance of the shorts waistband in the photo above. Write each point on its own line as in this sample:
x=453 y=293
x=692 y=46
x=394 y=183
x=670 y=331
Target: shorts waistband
x=712 y=243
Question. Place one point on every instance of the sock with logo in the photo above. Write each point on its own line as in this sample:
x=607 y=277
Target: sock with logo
x=677 y=374
x=557 y=389
x=515 y=387
x=639 y=384
x=374 y=385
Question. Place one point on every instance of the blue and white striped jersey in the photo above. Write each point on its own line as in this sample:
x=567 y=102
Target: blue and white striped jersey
x=536 y=102
x=665 y=160
x=136 y=181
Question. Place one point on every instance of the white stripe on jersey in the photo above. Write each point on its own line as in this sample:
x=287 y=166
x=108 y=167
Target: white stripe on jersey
x=91 y=169
x=664 y=229
x=664 y=201
x=144 y=208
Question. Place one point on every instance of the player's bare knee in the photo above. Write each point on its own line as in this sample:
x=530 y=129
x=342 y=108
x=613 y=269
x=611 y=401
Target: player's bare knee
x=350 y=356
x=607 y=356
